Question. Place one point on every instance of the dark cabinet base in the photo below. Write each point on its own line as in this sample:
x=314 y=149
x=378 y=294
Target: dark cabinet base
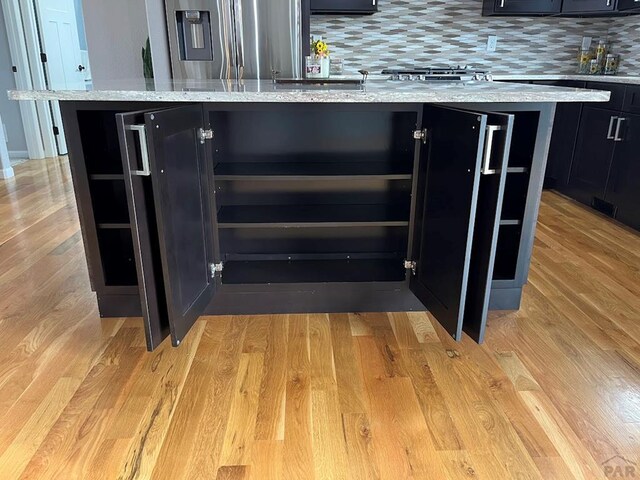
x=371 y=218
x=321 y=298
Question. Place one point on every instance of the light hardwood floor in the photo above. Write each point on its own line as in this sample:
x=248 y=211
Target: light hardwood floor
x=552 y=394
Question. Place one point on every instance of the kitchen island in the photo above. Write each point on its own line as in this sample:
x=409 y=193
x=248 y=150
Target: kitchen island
x=253 y=197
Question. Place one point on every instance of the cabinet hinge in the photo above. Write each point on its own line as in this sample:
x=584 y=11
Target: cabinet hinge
x=205 y=135
x=410 y=265
x=420 y=135
x=43 y=57
x=216 y=268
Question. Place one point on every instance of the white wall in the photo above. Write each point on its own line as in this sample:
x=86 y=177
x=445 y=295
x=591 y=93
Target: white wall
x=9 y=109
x=116 y=31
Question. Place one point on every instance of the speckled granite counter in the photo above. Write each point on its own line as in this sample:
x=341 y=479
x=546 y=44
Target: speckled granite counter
x=624 y=79
x=374 y=91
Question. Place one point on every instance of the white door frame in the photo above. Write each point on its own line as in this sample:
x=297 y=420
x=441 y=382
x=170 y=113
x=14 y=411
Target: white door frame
x=37 y=76
x=20 y=59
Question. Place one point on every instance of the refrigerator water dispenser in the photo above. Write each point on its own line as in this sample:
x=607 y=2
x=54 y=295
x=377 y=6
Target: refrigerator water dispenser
x=194 y=35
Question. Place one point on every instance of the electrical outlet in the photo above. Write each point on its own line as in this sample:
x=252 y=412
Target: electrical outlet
x=492 y=43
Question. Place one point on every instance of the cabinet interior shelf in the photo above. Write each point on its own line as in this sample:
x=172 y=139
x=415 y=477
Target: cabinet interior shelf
x=112 y=226
x=313 y=271
x=107 y=176
x=315 y=170
x=285 y=216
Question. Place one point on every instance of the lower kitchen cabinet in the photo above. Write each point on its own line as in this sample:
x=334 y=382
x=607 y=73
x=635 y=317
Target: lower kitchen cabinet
x=243 y=209
x=566 y=124
x=593 y=153
x=592 y=159
x=623 y=187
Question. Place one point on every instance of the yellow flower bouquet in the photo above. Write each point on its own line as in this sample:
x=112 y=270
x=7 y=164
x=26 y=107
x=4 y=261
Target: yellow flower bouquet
x=320 y=48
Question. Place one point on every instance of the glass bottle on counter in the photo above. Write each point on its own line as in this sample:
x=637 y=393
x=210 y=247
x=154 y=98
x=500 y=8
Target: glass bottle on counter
x=601 y=54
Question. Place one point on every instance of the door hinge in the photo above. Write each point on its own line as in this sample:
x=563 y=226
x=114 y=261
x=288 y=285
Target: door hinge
x=43 y=57
x=216 y=268
x=410 y=265
x=56 y=130
x=420 y=135
x=205 y=135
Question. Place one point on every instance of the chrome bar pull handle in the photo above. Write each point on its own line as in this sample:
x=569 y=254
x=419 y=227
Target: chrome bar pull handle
x=144 y=150
x=610 y=132
x=616 y=137
x=488 y=149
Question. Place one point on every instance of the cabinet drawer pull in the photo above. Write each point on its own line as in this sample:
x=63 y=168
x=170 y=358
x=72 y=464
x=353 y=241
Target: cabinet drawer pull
x=488 y=148
x=617 y=138
x=144 y=151
x=610 y=132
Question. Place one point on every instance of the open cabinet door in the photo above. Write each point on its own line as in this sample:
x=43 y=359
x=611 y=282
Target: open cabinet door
x=445 y=218
x=170 y=202
x=493 y=176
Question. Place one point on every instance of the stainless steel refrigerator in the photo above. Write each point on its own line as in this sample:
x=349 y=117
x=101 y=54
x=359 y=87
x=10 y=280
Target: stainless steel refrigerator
x=233 y=39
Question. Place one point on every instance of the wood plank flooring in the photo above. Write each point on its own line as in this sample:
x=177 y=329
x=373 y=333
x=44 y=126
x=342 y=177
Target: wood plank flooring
x=552 y=394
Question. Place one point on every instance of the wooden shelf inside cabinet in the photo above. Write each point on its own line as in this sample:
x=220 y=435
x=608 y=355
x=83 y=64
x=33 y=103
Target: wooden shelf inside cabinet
x=107 y=176
x=291 y=216
x=313 y=271
x=107 y=226
x=313 y=170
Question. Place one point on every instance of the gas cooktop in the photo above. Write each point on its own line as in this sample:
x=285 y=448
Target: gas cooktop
x=459 y=73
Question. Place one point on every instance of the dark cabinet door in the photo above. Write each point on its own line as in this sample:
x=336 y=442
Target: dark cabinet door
x=563 y=139
x=344 y=6
x=625 y=5
x=169 y=175
x=588 y=6
x=448 y=187
x=592 y=159
x=521 y=7
x=623 y=188
x=493 y=176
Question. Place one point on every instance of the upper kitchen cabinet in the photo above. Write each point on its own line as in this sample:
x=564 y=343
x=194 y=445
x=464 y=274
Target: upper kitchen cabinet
x=562 y=8
x=521 y=7
x=364 y=7
x=580 y=7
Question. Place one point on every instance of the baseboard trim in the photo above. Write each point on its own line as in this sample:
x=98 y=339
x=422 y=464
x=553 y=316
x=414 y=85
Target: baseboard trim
x=19 y=154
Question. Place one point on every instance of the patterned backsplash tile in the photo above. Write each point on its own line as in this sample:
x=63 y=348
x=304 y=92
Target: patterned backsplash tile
x=625 y=36
x=441 y=32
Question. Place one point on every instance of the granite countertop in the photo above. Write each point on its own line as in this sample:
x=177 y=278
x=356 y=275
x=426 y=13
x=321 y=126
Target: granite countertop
x=265 y=91
x=626 y=79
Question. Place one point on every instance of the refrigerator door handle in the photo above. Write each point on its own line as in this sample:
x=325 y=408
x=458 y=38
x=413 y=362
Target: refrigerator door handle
x=239 y=28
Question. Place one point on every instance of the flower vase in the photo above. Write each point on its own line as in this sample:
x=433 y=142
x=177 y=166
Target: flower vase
x=325 y=67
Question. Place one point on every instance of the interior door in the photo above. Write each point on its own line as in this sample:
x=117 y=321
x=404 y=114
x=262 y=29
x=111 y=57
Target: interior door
x=61 y=44
x=450 y=189
x=170 y=201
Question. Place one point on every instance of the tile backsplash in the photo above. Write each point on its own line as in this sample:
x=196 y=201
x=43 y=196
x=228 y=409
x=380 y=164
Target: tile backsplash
x=442 y=32
x=624 y=32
